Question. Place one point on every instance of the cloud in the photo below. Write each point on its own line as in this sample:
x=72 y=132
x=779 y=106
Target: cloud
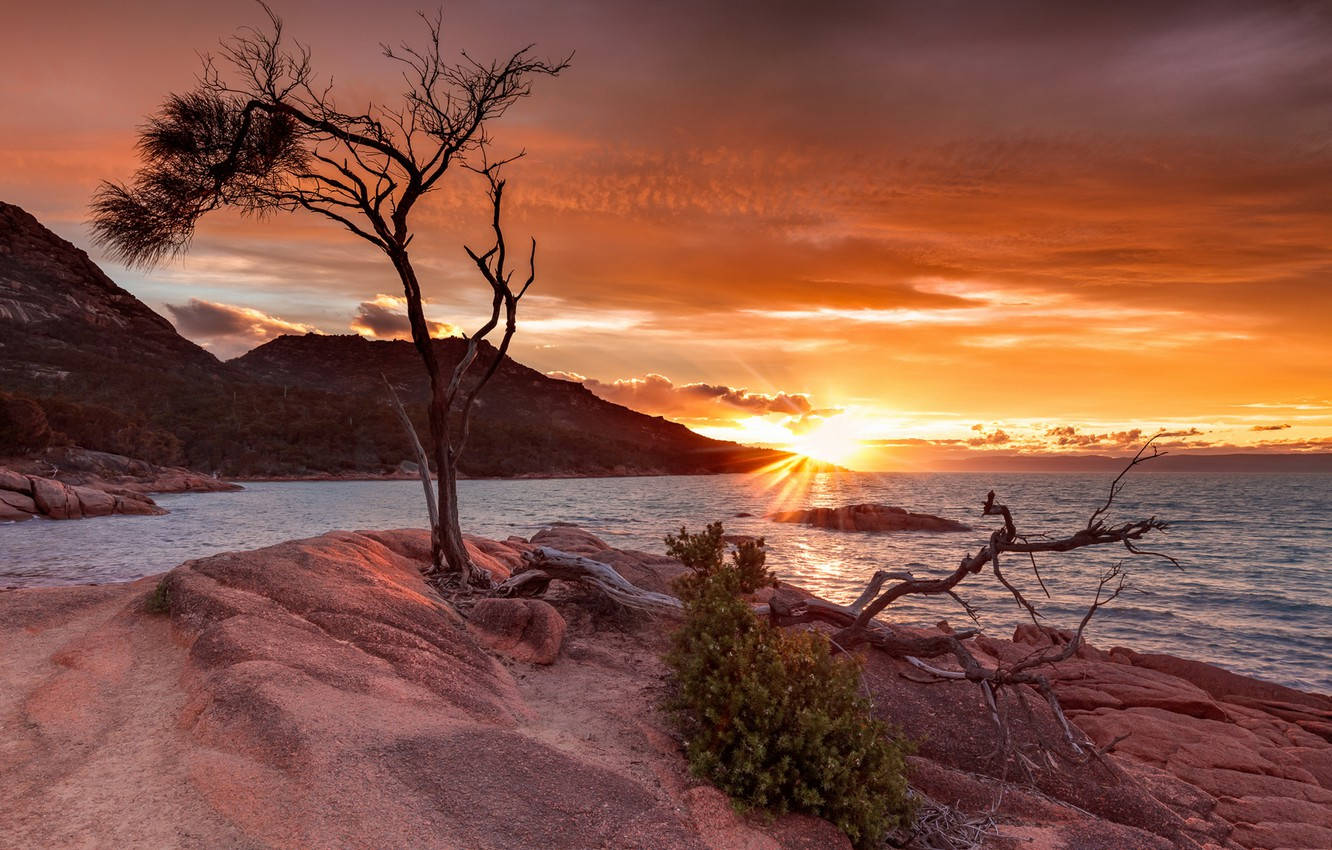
x=997 y=437
x=229 y=329
x=659 y=395
x=385 y=317
x=1069 y=437
x=1281 y=427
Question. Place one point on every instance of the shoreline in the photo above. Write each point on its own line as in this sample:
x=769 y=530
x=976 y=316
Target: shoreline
x=309 y=671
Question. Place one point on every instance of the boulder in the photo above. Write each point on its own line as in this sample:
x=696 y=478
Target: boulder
x=10 y=513
x=571 y=539
x=15 y=481
x=94 y=502
x=523 y=629
x=137 y=505
x=869 y=517
x=18 y=501
x=51 y=497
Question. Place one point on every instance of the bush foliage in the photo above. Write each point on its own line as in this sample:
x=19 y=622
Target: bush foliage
x=705 y=554
x=773 y=718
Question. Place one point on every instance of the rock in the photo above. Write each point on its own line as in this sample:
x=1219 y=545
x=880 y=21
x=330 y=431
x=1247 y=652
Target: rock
x=57 y=500
x=868 y=517
x=1223 y=684
x=311 y=694
x=571 y=539
x=1088 y=684
x=524 y=629
x=94 y=502
x=500 y=559
x=140 y=505
x=18 y=501
x=50 y=497
x=15 y=481
x=11 y=513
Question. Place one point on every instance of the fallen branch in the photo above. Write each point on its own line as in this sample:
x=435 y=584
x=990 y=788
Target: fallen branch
x=545 y=565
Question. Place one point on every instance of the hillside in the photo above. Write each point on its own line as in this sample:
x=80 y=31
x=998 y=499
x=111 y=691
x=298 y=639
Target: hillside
x=113 y=375
x=61 y=315
x=522 y=411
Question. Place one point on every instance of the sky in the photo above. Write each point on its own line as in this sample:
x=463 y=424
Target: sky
x=923 y=231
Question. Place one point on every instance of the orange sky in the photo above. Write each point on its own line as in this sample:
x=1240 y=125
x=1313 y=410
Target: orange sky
x=936 y=227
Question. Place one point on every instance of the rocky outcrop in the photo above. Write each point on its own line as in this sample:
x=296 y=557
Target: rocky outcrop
x=1196 y=753
x=117 y=473
x=26 y=496
x=868 y=517
x=319 y=693
x=79 y=483
x=524 y=629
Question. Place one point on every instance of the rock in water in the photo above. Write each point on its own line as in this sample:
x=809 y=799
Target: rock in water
x=869 y=517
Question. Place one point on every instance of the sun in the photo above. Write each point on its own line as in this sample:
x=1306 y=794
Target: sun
x=834 y=440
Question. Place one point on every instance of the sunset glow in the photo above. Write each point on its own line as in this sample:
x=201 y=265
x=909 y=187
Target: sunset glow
x=1047 y=244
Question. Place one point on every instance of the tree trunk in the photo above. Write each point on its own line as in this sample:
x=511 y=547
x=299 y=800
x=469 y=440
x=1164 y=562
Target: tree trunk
x=448 y=552
x=452 y=547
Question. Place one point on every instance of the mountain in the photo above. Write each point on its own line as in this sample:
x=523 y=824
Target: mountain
x=61 y=315
x=112 y=375
x=537 y=422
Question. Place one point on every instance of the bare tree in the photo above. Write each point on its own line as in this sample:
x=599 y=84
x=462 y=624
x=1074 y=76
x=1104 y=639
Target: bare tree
x=268 y=136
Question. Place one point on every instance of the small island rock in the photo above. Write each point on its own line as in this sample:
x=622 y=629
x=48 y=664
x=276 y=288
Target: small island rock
x=869 y=517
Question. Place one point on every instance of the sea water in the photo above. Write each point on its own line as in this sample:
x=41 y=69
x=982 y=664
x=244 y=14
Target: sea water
x=1253 y=592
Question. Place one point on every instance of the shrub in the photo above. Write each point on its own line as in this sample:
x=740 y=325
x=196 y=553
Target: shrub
x=704 y=554
x=159 y=600
x=776 y=721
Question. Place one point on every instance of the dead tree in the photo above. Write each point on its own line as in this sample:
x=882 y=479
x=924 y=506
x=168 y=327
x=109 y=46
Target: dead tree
x=268 y=136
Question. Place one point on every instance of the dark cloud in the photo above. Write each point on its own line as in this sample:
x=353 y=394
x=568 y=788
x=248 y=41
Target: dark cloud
x=1269 y=427
x=228 y=329
x=657 y=394
x=386 y=318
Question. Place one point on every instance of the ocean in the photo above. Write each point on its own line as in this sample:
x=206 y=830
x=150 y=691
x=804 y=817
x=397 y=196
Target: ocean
x=1254 y=593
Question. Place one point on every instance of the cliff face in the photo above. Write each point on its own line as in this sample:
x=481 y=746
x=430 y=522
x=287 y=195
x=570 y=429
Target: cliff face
x=60 y=314
x=113 y=375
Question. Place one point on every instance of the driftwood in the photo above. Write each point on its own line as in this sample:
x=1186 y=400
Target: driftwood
x=545 y=565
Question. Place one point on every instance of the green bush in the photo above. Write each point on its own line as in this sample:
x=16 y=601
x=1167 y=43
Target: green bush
x=776 y=721
x=159 y=600
x=704 y=554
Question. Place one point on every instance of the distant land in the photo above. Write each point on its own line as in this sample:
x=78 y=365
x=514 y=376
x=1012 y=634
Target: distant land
x=1175 y=461
x=112 y=375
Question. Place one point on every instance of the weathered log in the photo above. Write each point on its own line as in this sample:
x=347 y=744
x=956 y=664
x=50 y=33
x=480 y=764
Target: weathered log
x=546 y=564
